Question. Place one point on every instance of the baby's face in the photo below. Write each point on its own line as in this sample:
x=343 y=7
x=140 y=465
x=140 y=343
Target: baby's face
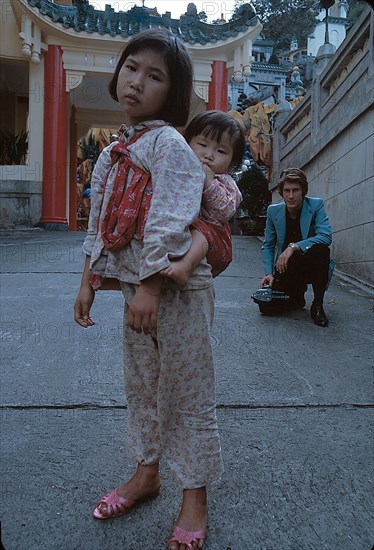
x=216 y=155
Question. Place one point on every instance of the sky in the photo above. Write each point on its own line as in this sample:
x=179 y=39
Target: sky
x=212 y=8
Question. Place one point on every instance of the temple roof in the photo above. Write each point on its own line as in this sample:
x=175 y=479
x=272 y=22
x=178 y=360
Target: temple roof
x=337 y=20
x=270 y=67
x=84 y=17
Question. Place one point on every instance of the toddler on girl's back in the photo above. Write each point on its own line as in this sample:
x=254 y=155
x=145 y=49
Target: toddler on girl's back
x=219 y=143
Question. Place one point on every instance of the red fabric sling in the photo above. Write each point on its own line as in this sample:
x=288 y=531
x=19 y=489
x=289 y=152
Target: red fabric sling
x=128 y=206
x=219 y=254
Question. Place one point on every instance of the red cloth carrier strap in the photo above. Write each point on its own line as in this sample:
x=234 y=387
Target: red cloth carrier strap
x=128 y=206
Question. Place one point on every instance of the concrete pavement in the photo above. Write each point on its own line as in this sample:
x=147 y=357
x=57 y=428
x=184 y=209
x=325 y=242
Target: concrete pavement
x=295 y=407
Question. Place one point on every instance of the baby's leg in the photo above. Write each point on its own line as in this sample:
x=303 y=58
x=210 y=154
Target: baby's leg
x=180 y=270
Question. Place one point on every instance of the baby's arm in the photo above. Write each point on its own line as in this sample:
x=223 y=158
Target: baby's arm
x=221 y=198
x=180 y=270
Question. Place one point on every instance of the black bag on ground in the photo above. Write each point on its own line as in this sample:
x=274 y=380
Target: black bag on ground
x=269 y=300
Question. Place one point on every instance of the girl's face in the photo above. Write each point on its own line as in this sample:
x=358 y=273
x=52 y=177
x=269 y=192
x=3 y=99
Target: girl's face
x=143 y=85
x=215 y=154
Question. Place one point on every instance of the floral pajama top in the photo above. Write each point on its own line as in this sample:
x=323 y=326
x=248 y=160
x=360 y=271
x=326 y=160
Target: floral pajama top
x=177 y=180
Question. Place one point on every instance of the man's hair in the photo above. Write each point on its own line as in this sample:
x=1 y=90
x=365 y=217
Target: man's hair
x=179 y=65
x=215 y=123
x=293 y=175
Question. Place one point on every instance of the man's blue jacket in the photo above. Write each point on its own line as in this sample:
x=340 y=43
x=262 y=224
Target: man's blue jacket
x=315 y=229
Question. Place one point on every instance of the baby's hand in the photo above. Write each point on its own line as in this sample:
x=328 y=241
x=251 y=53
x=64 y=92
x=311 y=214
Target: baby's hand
x=209 y=175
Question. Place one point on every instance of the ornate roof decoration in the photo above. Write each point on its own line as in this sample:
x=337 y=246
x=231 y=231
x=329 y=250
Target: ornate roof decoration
x=336 y=20
x=269 y=67
x=261 y=41
x=84 y=17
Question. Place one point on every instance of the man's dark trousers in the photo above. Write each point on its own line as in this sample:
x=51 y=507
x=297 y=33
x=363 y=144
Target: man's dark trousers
x=302 y=269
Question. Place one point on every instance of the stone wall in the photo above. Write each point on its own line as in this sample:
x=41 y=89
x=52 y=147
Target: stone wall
x=20 y=203
x=330 y=136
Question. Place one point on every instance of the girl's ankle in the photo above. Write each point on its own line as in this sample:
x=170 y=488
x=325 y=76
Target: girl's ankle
x=151 y=470
x=198 y=494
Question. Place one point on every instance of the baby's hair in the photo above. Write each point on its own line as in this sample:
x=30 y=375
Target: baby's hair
x=215 y=123
x=293 y=175
x=179 y=64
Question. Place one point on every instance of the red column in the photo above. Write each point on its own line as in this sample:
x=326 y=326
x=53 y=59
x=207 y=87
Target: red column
x=73 y=172
x=54 y=142
x=218 y=87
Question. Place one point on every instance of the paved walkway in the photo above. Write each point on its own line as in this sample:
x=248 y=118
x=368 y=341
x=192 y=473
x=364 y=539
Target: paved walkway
x=295 y=403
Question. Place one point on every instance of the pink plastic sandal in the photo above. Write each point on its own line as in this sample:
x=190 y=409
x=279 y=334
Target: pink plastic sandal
x=188 y=538
x=115 y=506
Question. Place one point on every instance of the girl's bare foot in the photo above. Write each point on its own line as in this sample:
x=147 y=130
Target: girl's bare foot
x=143 y=484
x=178 y=271
x=193 y=516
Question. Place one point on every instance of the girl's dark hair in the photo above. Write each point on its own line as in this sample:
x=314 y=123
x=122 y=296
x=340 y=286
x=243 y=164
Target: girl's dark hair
x=215 y=123
x=293 y=175
x=179 y=64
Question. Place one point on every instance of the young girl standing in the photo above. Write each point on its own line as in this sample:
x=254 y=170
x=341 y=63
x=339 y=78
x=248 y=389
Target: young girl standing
x=145 y=192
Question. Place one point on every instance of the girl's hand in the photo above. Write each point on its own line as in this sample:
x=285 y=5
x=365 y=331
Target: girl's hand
x=84 y=299
x=143 y=308
x=83 y=305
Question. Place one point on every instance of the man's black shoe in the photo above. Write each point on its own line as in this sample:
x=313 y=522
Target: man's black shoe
x=318 y=315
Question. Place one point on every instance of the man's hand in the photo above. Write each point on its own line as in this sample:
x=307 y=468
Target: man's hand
x=281 y=265
x=268 y=280
x=143 y=308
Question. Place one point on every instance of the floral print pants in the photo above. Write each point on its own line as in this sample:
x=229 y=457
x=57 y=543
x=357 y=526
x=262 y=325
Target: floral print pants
x=170 y=387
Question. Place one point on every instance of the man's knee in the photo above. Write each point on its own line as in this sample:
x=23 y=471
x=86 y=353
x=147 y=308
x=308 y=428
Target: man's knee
x=321 y=251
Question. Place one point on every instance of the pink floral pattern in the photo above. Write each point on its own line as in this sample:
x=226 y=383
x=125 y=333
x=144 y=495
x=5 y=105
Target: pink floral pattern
x=170 y=388
x=177 y=180
x=169 y=375
x=220 y=200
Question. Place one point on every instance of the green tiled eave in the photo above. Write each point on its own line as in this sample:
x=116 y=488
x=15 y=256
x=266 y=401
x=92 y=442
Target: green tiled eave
x=84 y=17
x=270 y=67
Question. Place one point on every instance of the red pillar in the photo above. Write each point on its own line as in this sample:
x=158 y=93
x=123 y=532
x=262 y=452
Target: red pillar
x=218 y=87
x=54 y=142
x=73 y=172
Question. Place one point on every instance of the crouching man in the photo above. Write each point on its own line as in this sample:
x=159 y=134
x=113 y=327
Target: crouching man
x=296 y=250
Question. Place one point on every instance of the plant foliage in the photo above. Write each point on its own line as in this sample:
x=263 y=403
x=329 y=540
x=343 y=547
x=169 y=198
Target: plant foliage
x=284 y=19
x=254 y=187
x=13 y=148
x=90 y=147
x=356 y=7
